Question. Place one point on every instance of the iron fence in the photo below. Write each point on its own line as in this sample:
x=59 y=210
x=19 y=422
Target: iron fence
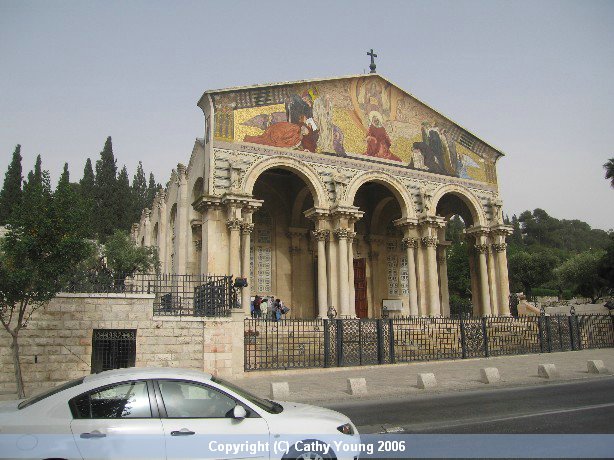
x=291 y=344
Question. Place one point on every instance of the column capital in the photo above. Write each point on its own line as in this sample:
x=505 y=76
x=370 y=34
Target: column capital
x=181 y=173
x=499 y=247
x=194 y=223
x=342 y=233
x=320 y=235
x=410 y=243
x=247 y=228
x=429 y=241
x=294 y=250
x=234 y=224
x=207 y=202
x=481 y=248
x=406 y=222
x=316 y=214
x=352 y=213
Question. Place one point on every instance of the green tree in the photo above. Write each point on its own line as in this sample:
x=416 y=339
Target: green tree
x=609 y=171
x=152 y=189
x=139 y=193
x=124 y=259
x=38 y=254
x=10 y=195
x=581 y=273
x=87 y=186
x=606 y=265
x=106 y=206
x=530 y=270
x=125 y=201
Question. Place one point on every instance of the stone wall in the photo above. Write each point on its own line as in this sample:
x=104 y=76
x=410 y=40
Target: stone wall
x=57 y=344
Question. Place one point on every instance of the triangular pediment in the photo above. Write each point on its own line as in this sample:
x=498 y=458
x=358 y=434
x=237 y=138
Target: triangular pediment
x=365 y=116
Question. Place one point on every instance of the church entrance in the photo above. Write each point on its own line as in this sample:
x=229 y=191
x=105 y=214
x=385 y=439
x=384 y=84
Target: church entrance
x=360 y=288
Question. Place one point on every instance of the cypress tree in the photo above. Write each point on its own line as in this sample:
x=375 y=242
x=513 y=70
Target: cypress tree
x=10 y=195
x=125 y=202
x=87 y=187
x=106 y=206
x=139 y=193
x=152 y=189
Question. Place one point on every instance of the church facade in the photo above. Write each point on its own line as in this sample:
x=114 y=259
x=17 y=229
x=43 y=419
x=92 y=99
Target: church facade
x=333 y=193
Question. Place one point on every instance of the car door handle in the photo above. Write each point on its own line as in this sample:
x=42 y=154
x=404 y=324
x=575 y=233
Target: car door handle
x=93 y=434
x=182 y=432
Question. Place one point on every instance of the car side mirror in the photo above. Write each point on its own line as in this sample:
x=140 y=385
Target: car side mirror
x=239 y=412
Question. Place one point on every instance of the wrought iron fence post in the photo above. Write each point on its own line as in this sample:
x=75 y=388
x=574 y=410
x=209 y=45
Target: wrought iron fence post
x=380 y=341
x=485 y=333
x=391 y=335
x=339 y=337
x=612 y=322
x=326 y=343
x=540 y=329
x=578 y=332
x=572 y=338
x=463 y=339
x=548 y=333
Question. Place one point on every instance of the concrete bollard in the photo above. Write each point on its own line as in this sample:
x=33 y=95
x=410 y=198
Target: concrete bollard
x=357 y=387
x=548 y=371
x=596 y=366
x=426 y=381
x=489 y=375
x=280 y=390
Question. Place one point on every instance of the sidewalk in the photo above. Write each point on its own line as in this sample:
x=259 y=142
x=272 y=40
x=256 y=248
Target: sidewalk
x=394 y=380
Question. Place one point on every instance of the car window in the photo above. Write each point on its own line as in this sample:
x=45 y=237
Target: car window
x=123 y=400
x=194 y=400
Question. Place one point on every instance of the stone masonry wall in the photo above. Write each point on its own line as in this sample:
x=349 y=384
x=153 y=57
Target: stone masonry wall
x=57 y=344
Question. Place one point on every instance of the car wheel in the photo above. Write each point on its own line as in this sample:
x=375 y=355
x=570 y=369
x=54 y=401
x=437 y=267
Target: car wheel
x=295 y=454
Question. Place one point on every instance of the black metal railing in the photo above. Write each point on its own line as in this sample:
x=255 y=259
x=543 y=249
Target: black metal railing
x=175 y=295
x=289 y=344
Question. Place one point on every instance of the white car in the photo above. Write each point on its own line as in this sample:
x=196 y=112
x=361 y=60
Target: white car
x=163 y=413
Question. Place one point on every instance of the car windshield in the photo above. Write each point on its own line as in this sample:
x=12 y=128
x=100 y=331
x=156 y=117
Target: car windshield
x=269 y=406
x=50 y=392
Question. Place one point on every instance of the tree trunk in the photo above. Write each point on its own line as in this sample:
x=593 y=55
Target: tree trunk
x=18 y=377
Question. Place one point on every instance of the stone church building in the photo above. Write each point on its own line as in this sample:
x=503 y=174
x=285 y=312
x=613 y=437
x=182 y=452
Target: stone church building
x=333 y=192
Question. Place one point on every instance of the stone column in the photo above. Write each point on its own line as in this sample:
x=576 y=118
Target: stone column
x=443 y=279
x=246 y=231
x=421 y=276
x=475 y=284
x=342 y=260
x=321 y=236
x=162 y=237
x=434 y=308
x=374 y=273
x=482 y=250
x=352 y=296
x=410 y=245
x=182 y=223
x=504 y=283
x=492 y=284
x=234 y=263
x=147 y=227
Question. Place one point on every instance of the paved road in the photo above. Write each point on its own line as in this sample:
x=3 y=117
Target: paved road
x=550 y=408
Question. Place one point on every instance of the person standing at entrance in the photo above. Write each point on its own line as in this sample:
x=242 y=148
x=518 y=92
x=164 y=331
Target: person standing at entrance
x=257 y=310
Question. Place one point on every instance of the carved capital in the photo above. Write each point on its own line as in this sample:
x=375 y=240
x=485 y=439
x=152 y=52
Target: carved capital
x=410 y=243
x=481 y=248
x=352 y=236
x=499 y=247
x=247 y=228
x=429 y=242
x=198 y=245
x=342 y=233
x=295 y=250
x=320 y=235
x=233 y=224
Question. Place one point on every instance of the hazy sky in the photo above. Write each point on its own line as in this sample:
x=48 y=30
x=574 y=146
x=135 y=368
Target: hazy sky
x=534 y=79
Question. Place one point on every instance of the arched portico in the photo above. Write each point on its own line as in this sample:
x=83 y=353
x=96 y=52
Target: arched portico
x=395 y=186
x=301 y=169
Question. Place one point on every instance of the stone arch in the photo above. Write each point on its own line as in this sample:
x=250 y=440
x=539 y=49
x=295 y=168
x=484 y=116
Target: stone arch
x=304 y=171
x=198 y=189
x=394 y=185
x=376 y=219
x=297 y=215
x=467 y=196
